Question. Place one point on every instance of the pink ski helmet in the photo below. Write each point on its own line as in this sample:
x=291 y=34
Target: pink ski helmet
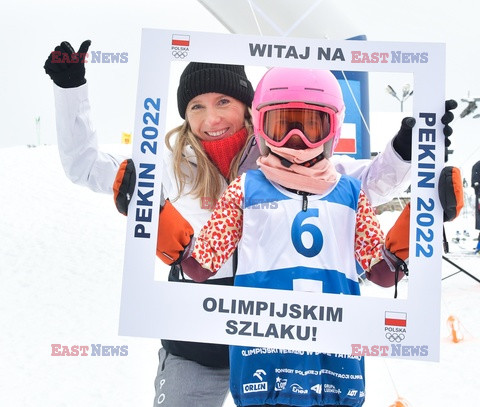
x=305 y=102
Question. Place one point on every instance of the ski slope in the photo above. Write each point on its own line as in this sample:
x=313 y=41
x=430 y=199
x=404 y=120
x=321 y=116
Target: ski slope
x=61 y=271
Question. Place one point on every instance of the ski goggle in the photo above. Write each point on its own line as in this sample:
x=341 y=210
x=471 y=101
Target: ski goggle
x=314 y=124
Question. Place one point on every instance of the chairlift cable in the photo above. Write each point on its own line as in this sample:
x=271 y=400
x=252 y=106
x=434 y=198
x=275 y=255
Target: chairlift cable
x=356 y=104
x=255 y=17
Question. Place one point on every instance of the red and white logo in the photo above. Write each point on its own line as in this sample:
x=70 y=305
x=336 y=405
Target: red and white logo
x=396 y=318
x=180 y=40
x=347 y=143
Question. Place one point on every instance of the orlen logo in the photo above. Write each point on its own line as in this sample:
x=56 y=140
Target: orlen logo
x=256 y=387
x=259 y=373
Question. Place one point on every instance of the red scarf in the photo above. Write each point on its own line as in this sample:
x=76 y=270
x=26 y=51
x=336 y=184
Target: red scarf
x=222 y=152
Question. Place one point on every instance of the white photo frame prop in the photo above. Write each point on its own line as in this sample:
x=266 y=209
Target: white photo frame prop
x=303 y=321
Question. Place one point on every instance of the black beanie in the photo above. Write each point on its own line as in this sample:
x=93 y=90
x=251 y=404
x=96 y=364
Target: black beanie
x=199 y=78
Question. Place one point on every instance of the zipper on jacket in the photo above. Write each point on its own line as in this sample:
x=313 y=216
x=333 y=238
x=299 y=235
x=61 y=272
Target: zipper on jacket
x=304 y=197
x=304 y=201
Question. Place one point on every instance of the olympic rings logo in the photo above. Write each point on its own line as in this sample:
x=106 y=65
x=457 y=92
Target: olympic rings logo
x=179 y=54
x=394 y=337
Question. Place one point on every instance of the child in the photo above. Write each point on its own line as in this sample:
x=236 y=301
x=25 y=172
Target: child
x=297 y=117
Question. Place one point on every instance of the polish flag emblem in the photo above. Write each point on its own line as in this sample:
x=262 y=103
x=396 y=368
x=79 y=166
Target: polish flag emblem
x=395 y=318
x=181 y=40
x=347 y=144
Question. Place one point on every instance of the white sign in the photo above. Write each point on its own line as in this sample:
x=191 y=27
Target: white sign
x=406 y=328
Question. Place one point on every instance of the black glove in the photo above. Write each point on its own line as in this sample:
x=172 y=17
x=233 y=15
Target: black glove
x=67 y=67
x=446 y=119
x=124 y=185
x=402 y=142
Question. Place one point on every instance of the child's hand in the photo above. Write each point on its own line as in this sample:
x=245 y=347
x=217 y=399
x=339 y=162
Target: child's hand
x=402 y=143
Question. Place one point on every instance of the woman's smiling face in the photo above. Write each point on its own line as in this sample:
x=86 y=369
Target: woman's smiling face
x=214 y=116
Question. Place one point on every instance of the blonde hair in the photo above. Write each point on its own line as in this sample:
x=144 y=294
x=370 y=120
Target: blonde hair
x=207 y=181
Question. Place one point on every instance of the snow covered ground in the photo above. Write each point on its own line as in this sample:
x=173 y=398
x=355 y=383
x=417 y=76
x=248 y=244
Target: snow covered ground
x=61 y=261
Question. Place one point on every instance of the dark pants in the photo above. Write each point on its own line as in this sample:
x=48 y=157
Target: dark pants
x=477 y=211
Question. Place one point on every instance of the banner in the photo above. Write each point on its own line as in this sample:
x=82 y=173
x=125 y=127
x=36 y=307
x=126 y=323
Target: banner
x=301 y=321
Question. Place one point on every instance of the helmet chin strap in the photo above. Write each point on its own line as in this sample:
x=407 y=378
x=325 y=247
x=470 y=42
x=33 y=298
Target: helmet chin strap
x=287 y=163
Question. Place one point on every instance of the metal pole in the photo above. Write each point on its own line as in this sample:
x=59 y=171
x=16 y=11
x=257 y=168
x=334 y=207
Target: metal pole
x=460 y=270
